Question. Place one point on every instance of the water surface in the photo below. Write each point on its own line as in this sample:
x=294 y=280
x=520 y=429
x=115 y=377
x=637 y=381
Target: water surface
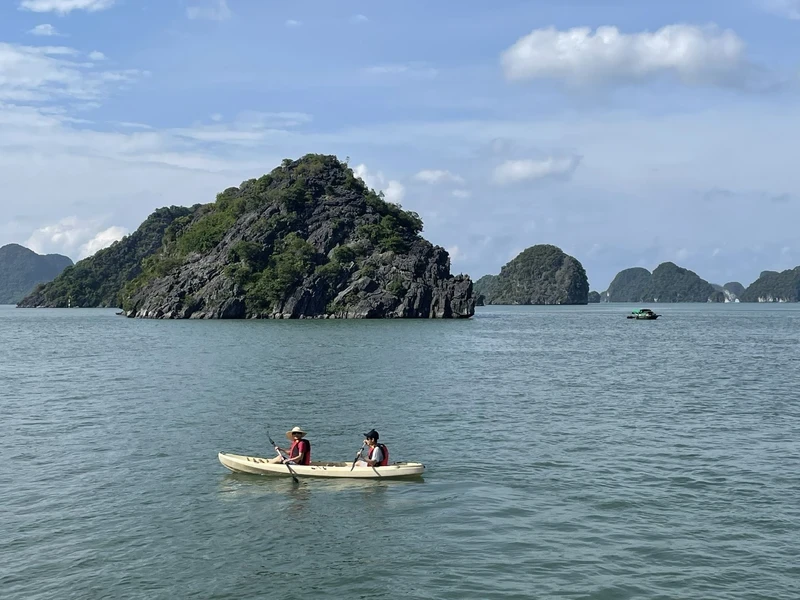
x=570 y=453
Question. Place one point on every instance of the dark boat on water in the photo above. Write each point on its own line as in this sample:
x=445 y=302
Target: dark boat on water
x=643 y=314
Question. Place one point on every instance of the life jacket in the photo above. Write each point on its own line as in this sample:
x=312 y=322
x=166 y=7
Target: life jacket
x=385 y=451
x=299 y=446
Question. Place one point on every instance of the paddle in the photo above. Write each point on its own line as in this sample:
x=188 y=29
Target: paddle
x=355 y=460
x=271 y=441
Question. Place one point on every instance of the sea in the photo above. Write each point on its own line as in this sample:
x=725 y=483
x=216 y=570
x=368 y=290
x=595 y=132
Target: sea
x=569 y=452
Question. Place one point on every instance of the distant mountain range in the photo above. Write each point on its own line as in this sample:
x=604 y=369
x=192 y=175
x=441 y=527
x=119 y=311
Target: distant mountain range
x=21 y=270
x=671 y=283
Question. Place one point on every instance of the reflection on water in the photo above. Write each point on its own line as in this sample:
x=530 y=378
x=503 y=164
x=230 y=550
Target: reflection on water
x=246 y=484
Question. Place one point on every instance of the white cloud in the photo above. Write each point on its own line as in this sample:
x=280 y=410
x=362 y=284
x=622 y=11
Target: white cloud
x=102 y=240
x=455 y=253
x=97 y=55
x=65 y=6
x=784 y=8
x=73 y=237
x=462 y=194
x=44 y=30
x=358 y=19
x=39 y=73
x=579 y=56
x=216 y=117
x=434 y=176
x=393 y=190
x=293 y=23
x=217 y=11
x=514 y=171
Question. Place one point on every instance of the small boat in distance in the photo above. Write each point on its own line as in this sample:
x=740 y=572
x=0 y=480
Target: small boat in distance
x=643 y=314
x=260 y=466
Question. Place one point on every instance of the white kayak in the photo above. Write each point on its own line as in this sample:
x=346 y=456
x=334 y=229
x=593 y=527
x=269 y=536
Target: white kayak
x=260 y=466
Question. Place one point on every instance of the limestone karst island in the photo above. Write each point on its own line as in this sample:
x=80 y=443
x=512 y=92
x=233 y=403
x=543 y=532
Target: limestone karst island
x=311 y=240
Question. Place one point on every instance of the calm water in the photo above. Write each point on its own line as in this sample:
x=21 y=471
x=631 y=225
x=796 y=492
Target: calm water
x=570 y=453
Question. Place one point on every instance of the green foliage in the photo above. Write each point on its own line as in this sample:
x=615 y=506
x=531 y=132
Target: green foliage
x=205 y=233
x=239 y=273
x=247 y=252
x=293 y=260
x=159 y=265
x=331 y=272
x=368 y=269
x=344 y=254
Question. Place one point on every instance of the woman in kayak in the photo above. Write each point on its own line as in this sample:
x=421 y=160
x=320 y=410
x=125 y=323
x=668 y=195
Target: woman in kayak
x=299 y=452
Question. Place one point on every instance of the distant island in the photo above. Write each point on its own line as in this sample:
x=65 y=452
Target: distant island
x=671 y=283
x=309 y=239
x=541 y=274
x=22 y=269
x=772 y=286
x=667 y=283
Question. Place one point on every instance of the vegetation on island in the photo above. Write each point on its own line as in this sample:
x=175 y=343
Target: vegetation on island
x=541 y=274
x=772 y=286
x=667 y=283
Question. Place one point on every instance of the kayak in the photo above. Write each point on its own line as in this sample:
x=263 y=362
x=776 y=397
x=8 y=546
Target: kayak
x=260 y=466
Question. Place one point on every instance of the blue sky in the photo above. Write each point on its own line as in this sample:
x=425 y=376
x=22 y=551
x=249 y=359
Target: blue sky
x=626 y=132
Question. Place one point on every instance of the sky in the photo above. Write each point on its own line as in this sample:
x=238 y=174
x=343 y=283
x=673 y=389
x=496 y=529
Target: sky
x=627 y=132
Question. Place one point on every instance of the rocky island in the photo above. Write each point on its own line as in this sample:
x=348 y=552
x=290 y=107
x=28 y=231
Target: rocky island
x=541 y=274
x=667 y=283
x=307 y=240
x=772 y=286
x=22 y=269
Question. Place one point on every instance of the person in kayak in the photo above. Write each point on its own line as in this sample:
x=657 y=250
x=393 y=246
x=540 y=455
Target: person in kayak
x=299 y=452
x=378 y=455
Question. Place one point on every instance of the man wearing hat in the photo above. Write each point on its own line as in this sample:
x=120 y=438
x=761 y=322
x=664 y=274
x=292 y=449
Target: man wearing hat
x=299 y=453
x=378 y=453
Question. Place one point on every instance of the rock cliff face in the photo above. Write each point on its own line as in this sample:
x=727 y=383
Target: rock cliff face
x=307 y=240
x=667 y=283
x=772 y=286
x=97 y=281
x=594 y=297
x=731 y=290
x=734 y=288
x=541 y=274
x=21 y=270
